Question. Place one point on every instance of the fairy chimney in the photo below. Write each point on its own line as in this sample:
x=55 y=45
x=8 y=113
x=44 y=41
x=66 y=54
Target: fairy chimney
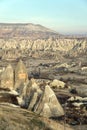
x=21 y=75
x=49 y=105
x=7 y=78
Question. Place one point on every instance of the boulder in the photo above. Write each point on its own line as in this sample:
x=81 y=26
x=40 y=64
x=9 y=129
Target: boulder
x=75 y=98
x=57 y=84
x=77 y=101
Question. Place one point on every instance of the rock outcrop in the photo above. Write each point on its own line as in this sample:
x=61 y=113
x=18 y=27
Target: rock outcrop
x=7 y=78
x=57 y=84
x=26 y=93
x=49 y=106
x=13 y=80
x=30 y=94
x=21 y=75
x=44 y=103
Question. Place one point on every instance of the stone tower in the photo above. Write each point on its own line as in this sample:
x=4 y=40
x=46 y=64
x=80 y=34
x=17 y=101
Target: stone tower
x=21 y=75
x=7 y=78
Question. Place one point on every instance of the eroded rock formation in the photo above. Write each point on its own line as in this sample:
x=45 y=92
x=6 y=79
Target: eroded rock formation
x=21 y=75
x=49 y=105
x=7 y=78
x=29 y=94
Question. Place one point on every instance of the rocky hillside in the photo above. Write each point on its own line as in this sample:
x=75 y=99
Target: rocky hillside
x=30 y=31
x=12 y=118
x=25 y=106
x=79 y=49
x=37 y=48
x=39 y=104
x=47 y=89
x=33 y=37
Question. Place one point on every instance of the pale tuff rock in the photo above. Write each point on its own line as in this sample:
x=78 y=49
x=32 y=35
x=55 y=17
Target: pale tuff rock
x=21 y=75
x=33 y=101
x=22 y=90
x=65 y=65
x=35 y=86
x=1 y=70
x=63 y=45
x=7 y=78
x=84 y=68
x=57 y=84
x=21 y=102
x=30 y=94
x=75 y=98
x=46 y=110
x=77 y=104
x=22 y=94
x=77 y=101
x=27 y=93
x=14 y=92
x=49 y=104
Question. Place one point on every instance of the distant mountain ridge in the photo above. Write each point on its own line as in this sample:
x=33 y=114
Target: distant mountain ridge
x=35 y=27
x=26 y=30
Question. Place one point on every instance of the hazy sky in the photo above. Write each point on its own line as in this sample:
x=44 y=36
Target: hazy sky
x=63 y=16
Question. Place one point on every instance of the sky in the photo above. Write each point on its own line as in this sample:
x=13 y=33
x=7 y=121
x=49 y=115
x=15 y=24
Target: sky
x=63 y=16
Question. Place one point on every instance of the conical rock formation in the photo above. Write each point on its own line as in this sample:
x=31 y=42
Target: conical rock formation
x=49 y=105
x=7 y=78
x=21 y=75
